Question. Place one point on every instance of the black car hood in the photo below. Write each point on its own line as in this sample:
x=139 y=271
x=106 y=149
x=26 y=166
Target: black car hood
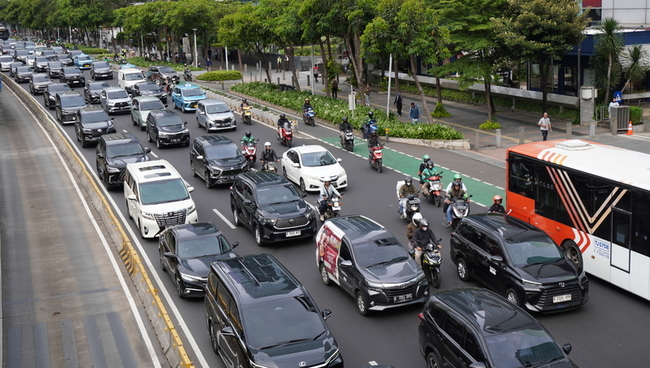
x=171 y=128
x=301 y=354
x=201 y=266
x=558 y=271
x=230 y=163
x=122 y=161
x=296 y=208
x=392 y=273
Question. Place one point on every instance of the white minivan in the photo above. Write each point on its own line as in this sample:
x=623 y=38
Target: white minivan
x=157 y=197
x=126 y=78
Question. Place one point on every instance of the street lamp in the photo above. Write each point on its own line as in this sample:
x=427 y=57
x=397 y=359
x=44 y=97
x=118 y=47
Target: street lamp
x=195 y=52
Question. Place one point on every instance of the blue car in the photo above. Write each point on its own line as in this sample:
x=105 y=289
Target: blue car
x=83 y=61
x=186 y=96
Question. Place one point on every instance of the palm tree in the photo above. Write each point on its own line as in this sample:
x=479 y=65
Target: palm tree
x=609 y=44
x=636 y=62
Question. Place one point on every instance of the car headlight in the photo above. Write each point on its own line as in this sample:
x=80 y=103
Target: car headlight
x=419 y=277
x=112 y=170
x=87 y=131
x=185 y=131
x=215 y=170
x=147 y=215
x=191 y=209
x=332 y=356
x=264 y=220
x=531 y=283
x=190 y=278
x=164 y=134
x=375 y=285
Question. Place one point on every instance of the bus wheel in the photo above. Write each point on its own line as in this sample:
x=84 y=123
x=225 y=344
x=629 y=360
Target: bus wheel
x=572 y=252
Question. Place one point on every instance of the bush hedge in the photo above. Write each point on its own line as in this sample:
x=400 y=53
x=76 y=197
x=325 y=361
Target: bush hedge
x=220 y=75
x=489 y=125
x=140 y=61
x=636 y=115
x=334 y=110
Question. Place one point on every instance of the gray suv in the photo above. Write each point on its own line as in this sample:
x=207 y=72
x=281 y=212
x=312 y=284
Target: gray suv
x=115 y=100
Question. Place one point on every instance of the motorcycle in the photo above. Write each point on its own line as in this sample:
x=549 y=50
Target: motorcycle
x=249 y=150
x=285 y=135
x=270 y=167
x=247 y=115
x=347 y=140
x=368 y=127
x=375 y=157
x=431 y=260
x=459 y=210
x=333 y=208
x=187 y=74
x=309 y=117
x=412 y=205
x=435 y=189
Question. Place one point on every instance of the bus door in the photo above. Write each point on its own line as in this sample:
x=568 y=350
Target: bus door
x=621 y=239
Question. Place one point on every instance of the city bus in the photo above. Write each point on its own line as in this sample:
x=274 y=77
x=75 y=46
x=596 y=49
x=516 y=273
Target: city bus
x=592 y=199
x=4 y=33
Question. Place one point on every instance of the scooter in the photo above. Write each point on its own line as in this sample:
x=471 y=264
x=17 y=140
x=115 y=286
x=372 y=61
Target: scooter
x=333 y=208
x=459 y=210
x=270 y=167
x=368 y=127
x=285 y=135
x=309 y=117
x=187 y=74
x=431 y=260
x=347 y=140
x=375 y=157
x=247 y=115
x=249 y=150
x=412 y=205
x=435 y=189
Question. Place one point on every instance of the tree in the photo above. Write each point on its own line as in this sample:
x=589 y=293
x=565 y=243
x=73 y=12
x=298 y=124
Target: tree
x=609 y=44
x=407 y=29
x=541 y=31
x=636 y=63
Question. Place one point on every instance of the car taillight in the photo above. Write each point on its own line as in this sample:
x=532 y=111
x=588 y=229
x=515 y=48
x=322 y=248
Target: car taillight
x=421 y=317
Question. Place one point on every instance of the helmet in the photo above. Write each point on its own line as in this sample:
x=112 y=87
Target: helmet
x=430 y=164
x=408 y=180
x=426 y=158
x=345 y=119
x=282 y=116
x=306 y=100
x=424 y=223
x=267 y=144
x=370 y=114
x=416 y=218
x=248 y=133
x=458 y=177
x=244 y=101
x=497 y=198
x=373 y=133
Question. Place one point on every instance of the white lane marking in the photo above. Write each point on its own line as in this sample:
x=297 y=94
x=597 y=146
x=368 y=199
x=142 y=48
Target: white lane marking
x=224 y=218
x=152 y=153
x=116 y=268
x=372 y=362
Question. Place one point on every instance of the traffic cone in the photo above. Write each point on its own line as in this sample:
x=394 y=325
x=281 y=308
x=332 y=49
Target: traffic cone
x=630 y=131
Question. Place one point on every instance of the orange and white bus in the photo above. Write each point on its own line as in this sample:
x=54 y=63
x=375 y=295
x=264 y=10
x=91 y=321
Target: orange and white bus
x=592 y=199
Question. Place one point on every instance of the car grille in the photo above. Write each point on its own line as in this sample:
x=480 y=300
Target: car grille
x=176 y=136
x=121 y=104
x=170 y=218
x=546 y=299
x=289 y=223
x=393 y=292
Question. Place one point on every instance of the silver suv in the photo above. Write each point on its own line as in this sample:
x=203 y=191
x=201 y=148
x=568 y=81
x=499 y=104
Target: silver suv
x=115 y=100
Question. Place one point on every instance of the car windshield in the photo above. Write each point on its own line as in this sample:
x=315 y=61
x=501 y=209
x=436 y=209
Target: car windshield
x=98 y=86
x=166 y=69
x=279 y=322
x=523 y=348
x=322 y=158
x=379 y=252
x=95 y=117
x=277 y=194
x=525 y=250
x=42 y=59
x=41 y=78
x=84 y=58
x=169 y=121
x=100 y=64
x=217 y=109
x=72 y=101
x=203 y=246
x=117 y=94
x=6 y=59
x=222 y=151
x=163 y=191
x=55 y=65
x=133 y=76
x=124 y=150
x=192 y=92
x=72 y=71
x=151 y=105
x=24 y=69
x=148 y=87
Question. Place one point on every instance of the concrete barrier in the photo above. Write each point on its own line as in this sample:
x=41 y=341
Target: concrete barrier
x=163 y=327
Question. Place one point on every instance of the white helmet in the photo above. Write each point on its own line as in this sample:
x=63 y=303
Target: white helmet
x=416 y=218
x=267 y=144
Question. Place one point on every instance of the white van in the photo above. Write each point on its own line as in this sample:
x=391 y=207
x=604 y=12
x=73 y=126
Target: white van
x=126 y=78
x=157 y=197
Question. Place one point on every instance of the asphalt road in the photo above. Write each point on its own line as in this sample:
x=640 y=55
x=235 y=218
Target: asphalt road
x=607 y=331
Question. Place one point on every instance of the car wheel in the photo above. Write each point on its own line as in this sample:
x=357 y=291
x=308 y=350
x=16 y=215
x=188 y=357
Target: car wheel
x=461 y=269
x=213 y=339
x=433 y=361
x=324 y=276
x=192 y=168
x=158 y=143
x=77 y=134
x=198 y=124
x=141 y=229
x=133 y=121
x=149 y=136
x=258 y=235
x=512 y=297
x=302 y=185
x=127 y=210
x=179 y=288
x=162 y=260
x=362 y=304
x=572 y=252
x=284 y=173
x=208 y=183
x=235 y=217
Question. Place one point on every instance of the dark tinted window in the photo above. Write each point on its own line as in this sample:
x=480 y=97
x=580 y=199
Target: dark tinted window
x=165 y=69
x=277 y=194
x=521 y=176
x=169 y=120
x=222 y=151
x=151 y=105
x=198 y=247
x=148 y=86
x=454 y=329
x=641 y=223
x=95 y=116
x=72 y=101
x=124 y=150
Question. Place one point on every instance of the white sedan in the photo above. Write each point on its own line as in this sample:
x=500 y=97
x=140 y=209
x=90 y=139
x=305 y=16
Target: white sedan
x=306 y=165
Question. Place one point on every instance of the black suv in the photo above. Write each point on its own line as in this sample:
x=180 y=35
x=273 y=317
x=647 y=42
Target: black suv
x=113 y=153
x=72 y=76
x=100 y=69
x=92 y=123
x=259 y=315
x=216 y=159
x=165 y=127
x=38 y=83
x=66 y=105
x=186 y=252
x=40 y=64
x=476 y=328
x=92 y=91
x=49 y=96
x=160 y=73
x=271 y=207
x=519 y=261
x=149 y=89
x=54 y=69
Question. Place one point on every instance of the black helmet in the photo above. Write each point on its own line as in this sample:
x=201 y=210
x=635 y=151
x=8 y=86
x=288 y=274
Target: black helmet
x=424 y=223
x=282 y=116
x=430 y=164
x=370 y=114
x=345 y=119
x=244 y=101
x=408 y=180
x=248 y=133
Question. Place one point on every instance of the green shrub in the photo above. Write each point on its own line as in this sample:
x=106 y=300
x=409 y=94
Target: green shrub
x=220 y=75
x=440 y=111
x=92 y=50
x=636 y=115
x=140 y=61
x=335 y=109
x=489 y=125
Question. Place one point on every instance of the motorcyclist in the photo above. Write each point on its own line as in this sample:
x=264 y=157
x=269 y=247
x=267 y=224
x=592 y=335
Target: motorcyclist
x=406 y=189
x=306 y=105
x=247 y=138
x=244 y=103
x=429 y=171
x=345 y=125
x=368 y=125
x=283 y=120
x=457 y=178
x=423 y=166
x=326 y=192
x=412 y=226
x=268 y=155
x=496 y=207
x=455 y=192
x=373 y=141
x=421 y=237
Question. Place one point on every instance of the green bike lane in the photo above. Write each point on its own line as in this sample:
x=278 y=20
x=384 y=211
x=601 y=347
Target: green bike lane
x=481 y=191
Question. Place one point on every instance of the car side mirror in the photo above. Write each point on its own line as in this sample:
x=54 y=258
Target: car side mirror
x=296 y=165
x=303 y=194
x=112 y=119
x=165 y=105
x=567 y=348
x=131 y=197
x=247 y=201
x=201 y=112
x=199 y=157
x=169 y=254
x=147 y=150
x=339 y=160
x=346 y=263
x=326 y=313
x=186 y=123
x=190 y=189
x=235 y=244
x=100 y=155
x=497 y=259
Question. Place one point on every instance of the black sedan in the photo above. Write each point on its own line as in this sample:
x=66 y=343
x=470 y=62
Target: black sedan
x=38 y=83
x=186 y=252
x=23 y=73
x=92 y=91
x=149 y=89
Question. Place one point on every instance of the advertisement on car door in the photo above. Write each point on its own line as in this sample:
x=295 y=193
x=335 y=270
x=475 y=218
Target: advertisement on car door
x=328 y=242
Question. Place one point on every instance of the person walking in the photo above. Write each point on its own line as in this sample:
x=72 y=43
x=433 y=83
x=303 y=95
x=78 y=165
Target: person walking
x=614 y=103
x=208 y=64
x=335 y=88
x=366 y=93
x=279 y=69
x=545 y=126
x=398 y=103
x=414 y=113
x=316 y=74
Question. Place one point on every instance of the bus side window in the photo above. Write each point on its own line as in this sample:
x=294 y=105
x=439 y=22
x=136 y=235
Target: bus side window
x=544 y=193
x=641 y=223
x=521 y=177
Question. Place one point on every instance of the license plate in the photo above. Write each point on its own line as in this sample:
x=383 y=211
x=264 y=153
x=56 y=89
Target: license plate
x=293 y=233
x=403 y=298
x=562 y=298
x=175 y=140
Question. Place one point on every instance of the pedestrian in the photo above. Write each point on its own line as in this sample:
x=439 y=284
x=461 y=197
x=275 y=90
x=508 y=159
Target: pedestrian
x=545 y=125
x=208 y=64
x=366 y=93
x=414 y=113
x=279 y=69
x=614 y=103
x=398 y=103
x=335 y=88
x=315 y=74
